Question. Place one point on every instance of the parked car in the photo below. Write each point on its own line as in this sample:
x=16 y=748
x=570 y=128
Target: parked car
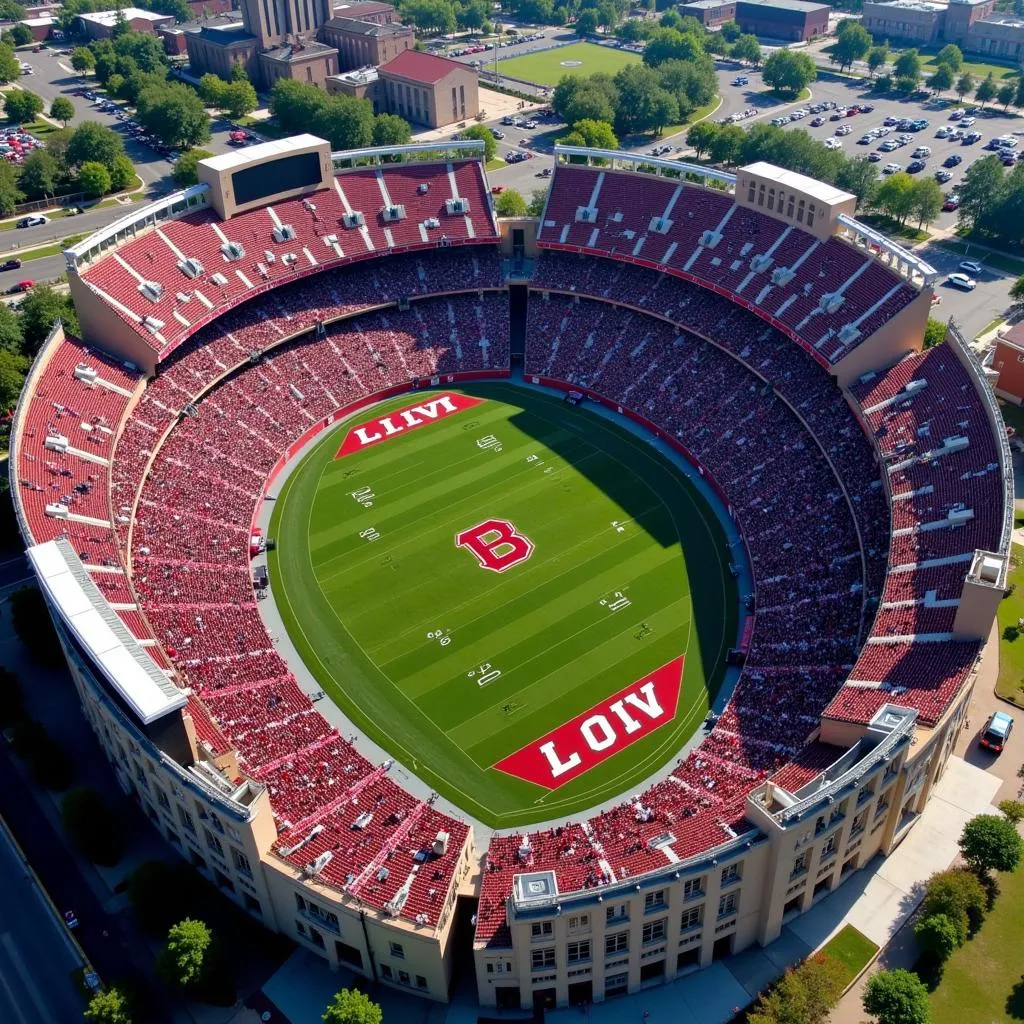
x=497 y=133
x=889 y=145
x=971 y=267
x=844 y=130
x=874 y=157
x=837 y=116
x=34 y=221
x=10 y=265
x=865 y=140
x=915 y=166
x=952 y=202
x=817 y=122
x=943 y=176
x=921 y=153
x=968 y=284
x=956 y=115
x=997 y=731
x=952 y=160
x=891 y=169
x=22 y=286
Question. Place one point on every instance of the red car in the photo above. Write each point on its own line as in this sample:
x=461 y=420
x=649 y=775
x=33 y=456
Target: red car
x=23 y=286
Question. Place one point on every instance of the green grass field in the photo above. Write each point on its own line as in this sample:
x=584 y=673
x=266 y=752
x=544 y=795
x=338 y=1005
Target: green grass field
x=368 y=615
x=547 y=67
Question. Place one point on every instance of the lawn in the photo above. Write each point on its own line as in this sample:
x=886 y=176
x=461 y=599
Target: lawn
x=852 y=949
x=453 y=668
x=548 y=66
x=978 y=69
x=44 y=250
x=1011 y=643
x=982 y=981
x=908 y=232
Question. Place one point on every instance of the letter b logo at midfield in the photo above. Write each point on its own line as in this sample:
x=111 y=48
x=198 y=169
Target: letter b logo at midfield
x=496 y=544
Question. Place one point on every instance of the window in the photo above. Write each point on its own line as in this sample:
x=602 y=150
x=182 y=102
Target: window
x=800 y=212
x=403 y=977
x=693 y=888
x=397 y=951
x=186 y=820
x=810 y=215
x=829 y=848
x=865 y=794
x=577 y=951
x=300 y=904
x=733 y=873
x=580 y=923
x=654 y=931
x=213 y=842
x=541 y=931
x=161 y=799
x=318 y=939
x=751 y=191
x=421 y=982
x=654 y=901
x=542 y=959
x=692 y=919
x=617 y=943
x=620 y=912
x=858 y=824
x=771 y=199
x=789 y=207
x=800 y=865
x=728 y=904
x=241 y=862
x=386 y=972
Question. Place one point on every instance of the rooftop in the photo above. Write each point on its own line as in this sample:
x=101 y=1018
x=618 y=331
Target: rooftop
x=242 y=157
x=363 y=10
x=800 y=183
x=109 y=18
x=230 y=33
x=289 y=52
x=367 y=28
x=803 y=6
x=914 y=5
x=362 y=76
x=1009 y=20
x=421 y=67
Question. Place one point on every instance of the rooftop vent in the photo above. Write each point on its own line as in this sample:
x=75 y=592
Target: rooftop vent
x=393 y=213
x=457 y=205
x=586 y=214
x=760 y=263
x=709 y=239
x=422 y=188
x=660 y=225
x=191 y=267
x=219 y=280
x=313 y=868
x=153 y=290
x=830 y=302
x=233 y=250
x=353 y=219
x=86 y=373
x=284 y=233
x=848 y=334
x=431 y=222
x=781 y=276
x=441 y=844
x=56 y=443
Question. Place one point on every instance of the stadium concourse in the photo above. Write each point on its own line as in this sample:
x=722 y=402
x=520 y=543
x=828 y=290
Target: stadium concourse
x=749 y=319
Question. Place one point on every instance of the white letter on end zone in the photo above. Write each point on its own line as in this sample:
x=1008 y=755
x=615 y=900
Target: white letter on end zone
x=559 y=767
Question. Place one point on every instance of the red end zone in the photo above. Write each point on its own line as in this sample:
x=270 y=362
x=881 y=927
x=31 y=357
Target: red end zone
x=604 y=730
x=400 y=421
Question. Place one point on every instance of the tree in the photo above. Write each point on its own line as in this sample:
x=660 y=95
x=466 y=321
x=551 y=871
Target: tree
x=482 y=132
x=510 y=203
x=990 y=843
x=950 y=56
x=671 y=44
x=62 y=109
x=538 y=200
x=964 y=85
x=908 y=65
x=730 y=31
x=692 y=83
x=937 y=937
x=986 y=90
x=803 y=995
x=122 y=174
x=877 y=57
x=92 y=826
x=895 y=196
x=238 y=72
x=10 y=194
x=109 y=1007
x=788 y=72
x=211 y=87
x=174 y=113
x=941 y=80
x=700 y=136
x=858 y=176
x=347 y=122
x=184 y=172
x=93 y=141
x=39 y=174
x=596 y=134
x=10 y=68
x=82 y=59
x=350 y=1006
x=727 y=145
x=21 y=34
x=980 y=192
x=22 y=106
x=853 y=44
x=238 y=99
x=897 y=997
x=586 y=23
x=927 y=199
x=93 y=178
x=644 y=105
x=13 y=368
x=1006 y=95
x=391 y=130
x=934 y=333
x=1013 y=809
x=595 y=97
x=747 y=48
x=184 y=960
x=41 y=308
x=10 y=329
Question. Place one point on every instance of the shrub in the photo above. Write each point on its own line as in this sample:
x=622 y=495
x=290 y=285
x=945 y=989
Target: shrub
x=957 y=895
x=897 y=997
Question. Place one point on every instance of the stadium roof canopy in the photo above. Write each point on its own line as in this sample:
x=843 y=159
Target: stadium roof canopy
x=101 y=633
x=244 y=157
x=809 y=186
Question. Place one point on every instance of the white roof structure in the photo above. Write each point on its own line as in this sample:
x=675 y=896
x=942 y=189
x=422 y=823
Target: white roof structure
x=244 y=157
x=110 y=645
x=800 y=182
x=109 y=18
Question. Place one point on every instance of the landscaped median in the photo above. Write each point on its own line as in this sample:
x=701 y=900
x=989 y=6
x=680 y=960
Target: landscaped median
x=42 y=251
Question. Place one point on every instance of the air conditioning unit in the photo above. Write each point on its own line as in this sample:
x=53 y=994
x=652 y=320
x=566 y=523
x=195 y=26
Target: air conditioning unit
x=153 y=290
x=760 y=263
x=586 y=214
x=393 y=213
x=152 y=324
x=457 y=205
x=781 y=276
x=660 y=225
x=219 y=280
x=191 y=267
x=355 y=219
x=284 y=233
x=441 y=844
x=709 y=239
x=85 y=373
x=56 y=443
x=183 y=297
x=830 y=302
x=233 y=250
x=431 y=222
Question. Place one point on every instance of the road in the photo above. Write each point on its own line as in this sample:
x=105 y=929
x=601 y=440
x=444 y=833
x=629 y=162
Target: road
x=36 y=957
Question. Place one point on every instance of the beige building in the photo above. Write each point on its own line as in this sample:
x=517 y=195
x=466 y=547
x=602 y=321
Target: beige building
x=428 y=90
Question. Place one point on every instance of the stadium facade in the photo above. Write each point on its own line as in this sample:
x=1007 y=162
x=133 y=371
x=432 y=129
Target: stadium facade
x=226 y=326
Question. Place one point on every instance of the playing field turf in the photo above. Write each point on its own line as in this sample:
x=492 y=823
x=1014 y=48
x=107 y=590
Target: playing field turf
x=547 y=67
x=400 y=625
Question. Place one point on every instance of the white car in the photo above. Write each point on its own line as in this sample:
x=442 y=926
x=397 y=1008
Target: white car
x=971 y=267
x=844 y=130
x=891 y=169
x=944 y=132
x=833 y=143
x=968 y=284
x=967 y=122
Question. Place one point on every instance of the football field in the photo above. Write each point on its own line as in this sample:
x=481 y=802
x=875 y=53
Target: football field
x=548 y=66
x=524 y=603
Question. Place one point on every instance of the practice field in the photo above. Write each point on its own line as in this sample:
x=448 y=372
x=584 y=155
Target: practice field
x=548 y=66
x=524 y=603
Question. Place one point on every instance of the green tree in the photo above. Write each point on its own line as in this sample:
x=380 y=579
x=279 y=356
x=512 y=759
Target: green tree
x=937 y=937
x=941 y=80
x=93 y=141
x=692 y=83
x=347 y=122
x=895 y=196
x=897 y=997
x=350 y=1006
x=92 y=826
x=990 y=843
x=482 y=132
x=853 y=44
x=510 y=203
x=964 y=85
x=1018 y=99
x=727 y=145
x=730 y=31
x=877 y=57
x=184 y=960
x=174 y=113
x=951 y=57
x=22 y=106
x=934 y=333
x=1013 y=809
x=644 y=106
x=42 y=307
x=858 y=176
x=62 y=109
x=13 y=368
x=538 y=200
x=10 y=194
x=1006 y=95
x=1017 y=294
x=596 y=134
x=805 y=994
x=109 y=1007
x=980 y=193
x=789 y=72
x=747 y=48
x=10 y=329
x=700 y=136
x=238 y=99
x=391 y=130
x=908 y=65
x=987 y=89
x=238 y=72
x=82 y=59
x=93 y=178
x=927 y=200
x=122 y=174
x=586 y=23
x=39 y=174
x=671 y=44
x=295 y=104
x=21 y=34
x=184 y=172
x=595 y=97
x=10 y=68
x=956 y=893
x=211 y=88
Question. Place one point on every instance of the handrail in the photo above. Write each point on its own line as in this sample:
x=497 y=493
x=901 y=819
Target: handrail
x=616 y=155
x=927 y=271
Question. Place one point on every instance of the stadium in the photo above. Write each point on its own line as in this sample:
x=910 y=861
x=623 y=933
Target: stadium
x=581 y=598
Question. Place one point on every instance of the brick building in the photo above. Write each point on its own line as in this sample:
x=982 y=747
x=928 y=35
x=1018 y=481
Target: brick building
x=712 y=13
x=366 y=43
x=791 y=20
x=427 y=89
x=371 y=11
x=974 y=25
